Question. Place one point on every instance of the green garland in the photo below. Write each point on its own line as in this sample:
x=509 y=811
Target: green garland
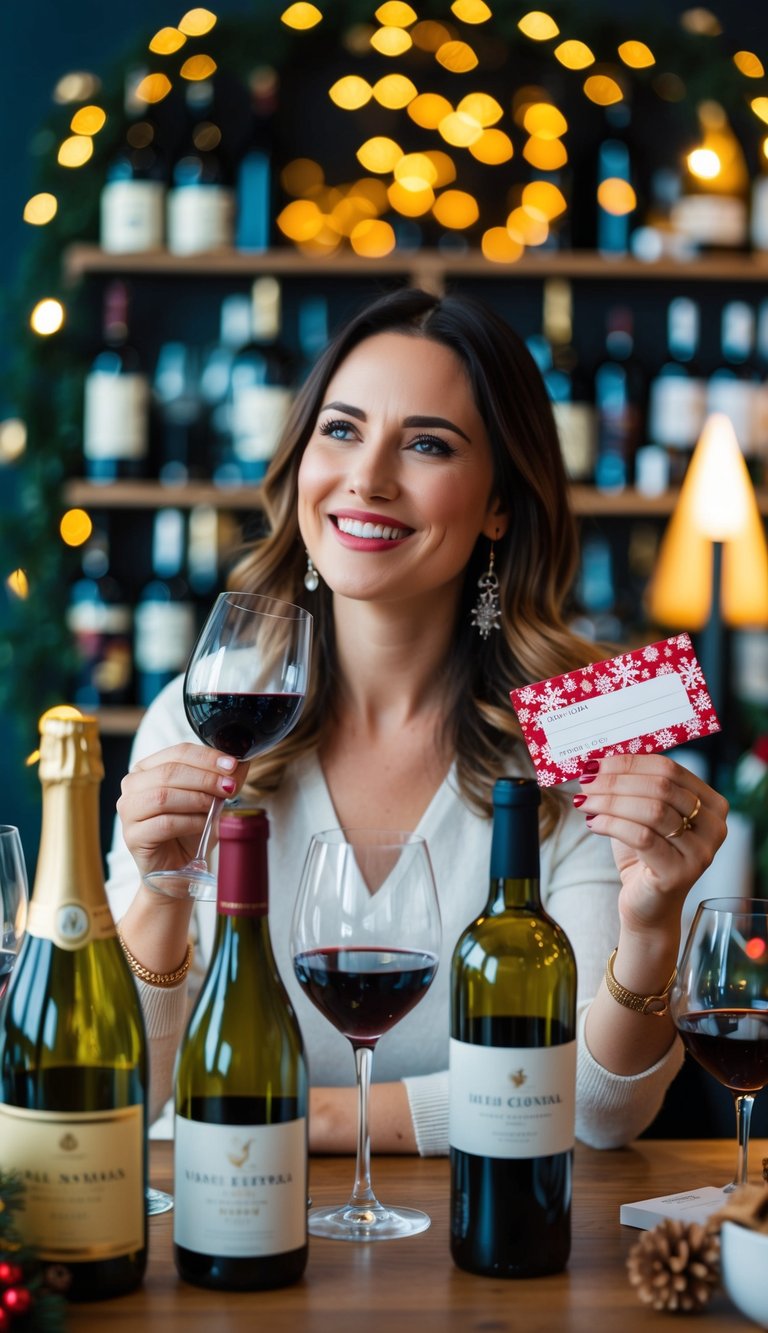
x=46 y=379
x=29 y=1289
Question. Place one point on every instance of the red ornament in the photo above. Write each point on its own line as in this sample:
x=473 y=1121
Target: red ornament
x=10 y=1274
x=17 y=1300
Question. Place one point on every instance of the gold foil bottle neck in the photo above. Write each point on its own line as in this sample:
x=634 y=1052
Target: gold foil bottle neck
x=70 y=750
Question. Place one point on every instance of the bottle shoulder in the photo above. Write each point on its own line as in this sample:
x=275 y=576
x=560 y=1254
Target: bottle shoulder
x=518 y=933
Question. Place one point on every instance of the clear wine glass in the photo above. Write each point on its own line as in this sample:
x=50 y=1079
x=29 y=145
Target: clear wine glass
x=14 y=898
x=244 y=690
x=719 y=1003
x=365 y=940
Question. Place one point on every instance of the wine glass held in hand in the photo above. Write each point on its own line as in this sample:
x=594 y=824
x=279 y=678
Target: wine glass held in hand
x=244 y=690
x=365 y=939
x=719 y=1003
x=14 y=895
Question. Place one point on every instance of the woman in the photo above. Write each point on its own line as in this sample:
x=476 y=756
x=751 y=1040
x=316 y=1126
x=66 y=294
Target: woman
x=422 y=445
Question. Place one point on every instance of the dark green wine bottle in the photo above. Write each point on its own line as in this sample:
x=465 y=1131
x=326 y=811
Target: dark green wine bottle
x=240 y=1159
x=73 y=1073
x=512 y=1063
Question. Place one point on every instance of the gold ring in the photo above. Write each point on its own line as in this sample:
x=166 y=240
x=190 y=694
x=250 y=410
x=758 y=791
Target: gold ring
x=687 y=821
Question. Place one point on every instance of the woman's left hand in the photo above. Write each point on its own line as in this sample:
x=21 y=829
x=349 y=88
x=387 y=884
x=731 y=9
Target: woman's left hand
x=665 y=826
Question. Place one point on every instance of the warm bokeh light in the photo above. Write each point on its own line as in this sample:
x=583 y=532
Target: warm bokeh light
x=526 y=229
x=372 y=190
x=301 y=16
x=198 y=68
x=166 y=41
x=457 y=57
x=499 y=247
x=428 y=109
x=755 y=948
x=543 y=199
x=456 y=210
x=410 y=203
x=760 y=107
x=372 y=239
x=76 y=87
x=391 y=41
x=348 y=212
x=460 y=130
x=574 y=55
x=18 y=584
x=765 y=147
x=75 y=527
x=602 y=90
x=481 y=107
x=13 y=439
x=88 y=120
x=543 y=120
x=539 y=27
x=300 y=220
x=704 y=163
x=350 y=92
x=471 y=11
x=526 y=96
x=545 y=154
x=379 y=154
x=493 y=147
x=637 y=55
x=701 y=21
x=75 y=151
x=430 y=36
x=47 y=317
x=394 y=91
x=396 y=14
x=302 y=176
x=415 y=171
x=197 y=22
x=40 y=209
x=616 y=196
x=444 y=166
x=153 y=88
x=749 y=64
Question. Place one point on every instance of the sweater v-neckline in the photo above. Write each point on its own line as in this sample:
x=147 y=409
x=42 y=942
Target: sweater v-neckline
x=315 y=790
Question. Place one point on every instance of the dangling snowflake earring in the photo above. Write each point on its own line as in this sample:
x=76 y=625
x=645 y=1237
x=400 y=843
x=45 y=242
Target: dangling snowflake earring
x=486 y=614
x=311 y=578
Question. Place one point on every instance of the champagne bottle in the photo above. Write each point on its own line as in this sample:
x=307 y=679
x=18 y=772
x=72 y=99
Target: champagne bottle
x=512 y=1063
x=73 y=1073
x=240 y=1165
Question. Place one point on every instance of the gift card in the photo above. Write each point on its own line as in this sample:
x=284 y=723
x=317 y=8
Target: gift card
x=649 y=699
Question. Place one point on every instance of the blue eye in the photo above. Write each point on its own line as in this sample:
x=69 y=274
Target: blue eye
x=431 y=446
x=336 y=430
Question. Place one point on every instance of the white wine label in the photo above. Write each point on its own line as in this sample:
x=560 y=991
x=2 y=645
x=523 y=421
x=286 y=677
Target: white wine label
x=200 y=218
x=259 y=412
x=70 y=924
x=165 y=635
x=99 y=618
x=83 y=1175
x=115 y=424
x=577 y=429
x=711 y=219
x=512 y=1101
x=132 y=216
x=240 y=1191
x=678 y=406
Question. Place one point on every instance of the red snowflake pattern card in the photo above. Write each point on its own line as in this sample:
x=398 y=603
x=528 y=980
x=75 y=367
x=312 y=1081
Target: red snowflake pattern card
x=649 y=699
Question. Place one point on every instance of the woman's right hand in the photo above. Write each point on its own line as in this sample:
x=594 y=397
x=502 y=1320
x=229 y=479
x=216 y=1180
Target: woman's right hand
x=165 y=802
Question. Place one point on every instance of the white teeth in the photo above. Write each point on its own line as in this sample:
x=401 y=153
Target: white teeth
x=354 y=528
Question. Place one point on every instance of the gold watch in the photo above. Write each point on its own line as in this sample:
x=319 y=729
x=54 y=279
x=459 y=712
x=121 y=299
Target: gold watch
x=658 y=1005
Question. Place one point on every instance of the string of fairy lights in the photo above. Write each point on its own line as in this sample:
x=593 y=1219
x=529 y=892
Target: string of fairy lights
x=416 y=172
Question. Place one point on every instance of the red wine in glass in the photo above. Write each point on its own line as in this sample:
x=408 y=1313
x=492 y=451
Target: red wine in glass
x=242 y=725
x=731 y=1044
x=365 y=991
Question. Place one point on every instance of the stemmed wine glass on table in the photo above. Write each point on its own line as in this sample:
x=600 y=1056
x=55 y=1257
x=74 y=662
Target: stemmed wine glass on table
x=244 y=690
x=365 y=940
x=719 y=1003
x=14 y=898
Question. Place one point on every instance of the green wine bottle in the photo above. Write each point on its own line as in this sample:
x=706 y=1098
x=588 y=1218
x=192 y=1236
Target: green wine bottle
x=240 y=1162
x=512 y=1063
x=73 y=1073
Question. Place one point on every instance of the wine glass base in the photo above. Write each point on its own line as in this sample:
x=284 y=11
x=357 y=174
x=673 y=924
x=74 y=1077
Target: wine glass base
x=157 y=1201
x=191 y=881
x=355 y=1222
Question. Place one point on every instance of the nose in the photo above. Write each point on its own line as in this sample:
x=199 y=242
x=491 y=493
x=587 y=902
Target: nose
x=373 y=475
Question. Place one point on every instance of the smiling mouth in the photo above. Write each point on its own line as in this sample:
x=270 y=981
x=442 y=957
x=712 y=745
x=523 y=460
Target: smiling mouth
x=373 y=531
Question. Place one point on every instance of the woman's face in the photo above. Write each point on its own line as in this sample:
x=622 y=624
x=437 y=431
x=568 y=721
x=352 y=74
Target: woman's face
x=395 y=484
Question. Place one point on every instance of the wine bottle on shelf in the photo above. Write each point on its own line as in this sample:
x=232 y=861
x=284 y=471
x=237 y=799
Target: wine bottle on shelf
x=712 y=211
x=312 y=332
x=760 y=414
x=613 y=217
x=216 y=386
x=263 y=375
x=619 y=394
x=100 y=620
x=180 y=413
x=117 y=399
x=566 y=384
x=677 y=398
x=132 y=202
x=201 y=202
x=240 y=1157
x=599 y=617
x=734 y=387
x=512 y=1063
x=73 y=1067
x=255 y=188
x=165 y=615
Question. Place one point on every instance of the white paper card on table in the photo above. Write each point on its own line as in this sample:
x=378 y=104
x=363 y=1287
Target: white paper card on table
x=696 y=1205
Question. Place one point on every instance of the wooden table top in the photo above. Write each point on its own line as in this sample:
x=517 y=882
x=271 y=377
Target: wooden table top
x=396 y=1286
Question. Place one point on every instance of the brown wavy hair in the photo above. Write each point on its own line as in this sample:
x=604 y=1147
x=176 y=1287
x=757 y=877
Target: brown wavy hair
x=535 y=560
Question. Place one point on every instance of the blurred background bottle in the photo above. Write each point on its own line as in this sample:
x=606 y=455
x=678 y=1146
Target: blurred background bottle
x=619 y=403
x=201 y=203
x=165 y=620
x=100 y=620
x=734 y=386
x=117 y=399
x=263 y=375
x=179 y=415
x=255 y=172
x=677 y=398
x=567 y=385
x=133 y=196
x=712 y=211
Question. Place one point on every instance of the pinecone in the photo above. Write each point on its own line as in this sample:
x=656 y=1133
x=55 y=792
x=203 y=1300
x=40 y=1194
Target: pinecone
x=675 y=1266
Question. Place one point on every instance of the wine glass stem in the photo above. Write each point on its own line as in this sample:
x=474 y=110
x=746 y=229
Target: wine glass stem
x=744 y=1103
x=202 y=851
x=363 y=1195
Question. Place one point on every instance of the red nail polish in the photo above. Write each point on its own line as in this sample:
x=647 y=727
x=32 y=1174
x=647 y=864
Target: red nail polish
x=586 y=777
x=579 y=799
x=228 y=786
x=588 y=817
x=592 y=766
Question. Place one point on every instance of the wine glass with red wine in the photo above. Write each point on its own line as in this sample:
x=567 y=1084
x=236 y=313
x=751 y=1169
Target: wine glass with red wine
x=244 y=690
x=365 y=939
x=719 y=1003
x=14 y=897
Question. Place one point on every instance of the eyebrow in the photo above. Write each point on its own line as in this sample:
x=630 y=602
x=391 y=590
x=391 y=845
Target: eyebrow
x=407 y=421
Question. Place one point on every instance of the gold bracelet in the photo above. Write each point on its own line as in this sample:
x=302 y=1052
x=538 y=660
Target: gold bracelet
x=162 y=979
x=658 y=1005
